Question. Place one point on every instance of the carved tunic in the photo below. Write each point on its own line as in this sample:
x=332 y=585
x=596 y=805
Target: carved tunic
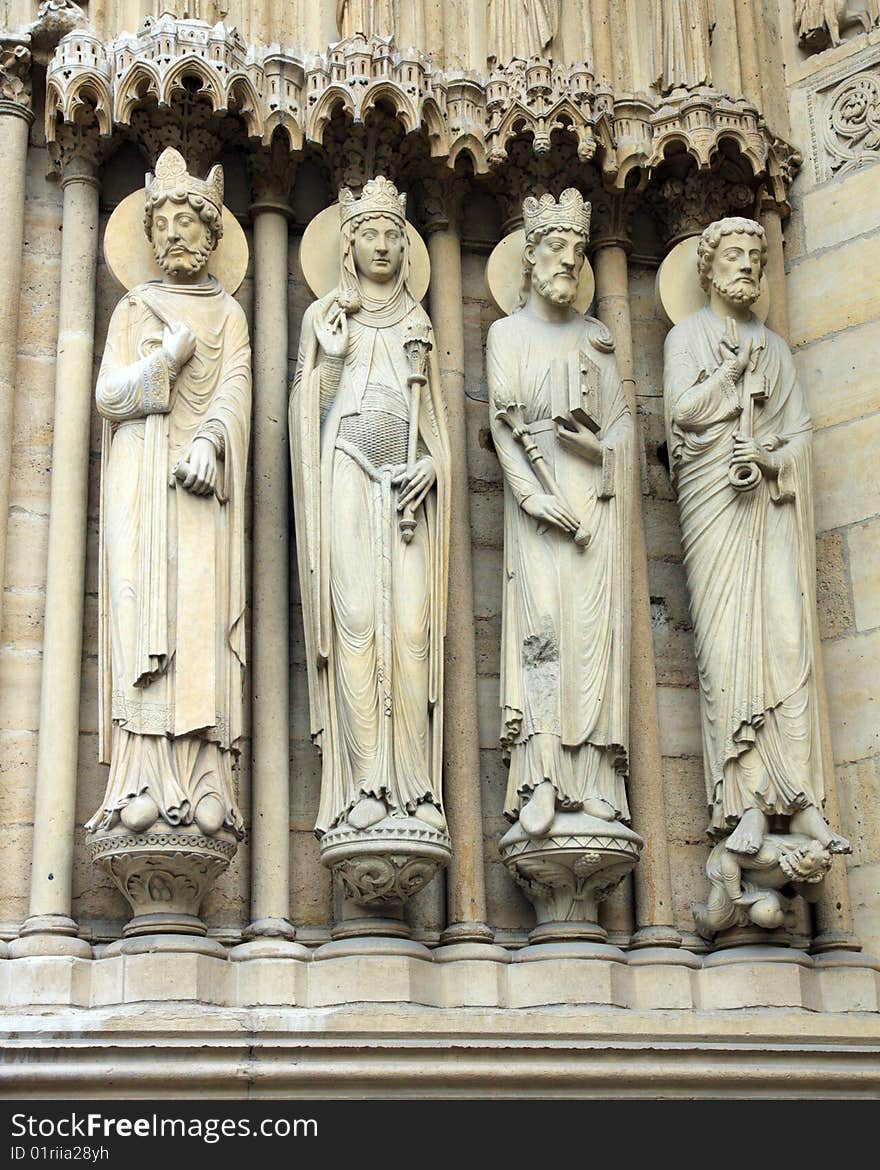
x=374 y=607
x=171 y=646
x=565 y=635
x=682 y=42
x=750 y=566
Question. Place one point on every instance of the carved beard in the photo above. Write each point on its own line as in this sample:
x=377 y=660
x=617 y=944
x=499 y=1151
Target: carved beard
x=188 y=260
x=558 y=290
x=738 y=291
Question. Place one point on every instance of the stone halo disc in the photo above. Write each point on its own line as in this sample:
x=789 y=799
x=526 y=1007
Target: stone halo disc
x=677 y=287
x=319 y=255
x=129 y=255
x=504 y=275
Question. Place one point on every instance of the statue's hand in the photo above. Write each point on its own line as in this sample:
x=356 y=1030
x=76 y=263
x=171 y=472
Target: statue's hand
x=179 y=344
x=414 y=483
x=331 y=327
x=578 y=437
x=736 y=357
x=198 y=471
x=546 y=509
x=749 y=450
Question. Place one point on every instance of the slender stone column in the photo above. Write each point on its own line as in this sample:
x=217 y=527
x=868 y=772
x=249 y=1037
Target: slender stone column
x=651 y=878
x=603 y=60
x=15 y=121
x=270 y=931
x=466 y=929
x=49 y=929
x=746 y=35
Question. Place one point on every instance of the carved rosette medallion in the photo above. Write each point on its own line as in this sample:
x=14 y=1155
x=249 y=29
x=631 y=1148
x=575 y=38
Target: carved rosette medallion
x=164 y=874
x=845 y=116
x=566 y=874
x=381 y=868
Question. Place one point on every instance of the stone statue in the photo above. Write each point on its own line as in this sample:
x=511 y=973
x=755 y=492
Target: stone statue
x=564 y=436
x=819 y=22
x=174 y=391
x=757 y=888
x=682 y=38
x=366 y=18
x=521 y=28
x=371 y=492
x=739 y=443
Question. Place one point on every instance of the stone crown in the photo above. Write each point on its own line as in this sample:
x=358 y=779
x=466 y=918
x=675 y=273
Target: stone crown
x=379 y=197
x=544 y=214
x=173 y=180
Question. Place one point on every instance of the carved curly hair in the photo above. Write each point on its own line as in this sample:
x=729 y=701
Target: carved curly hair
x=711 y=239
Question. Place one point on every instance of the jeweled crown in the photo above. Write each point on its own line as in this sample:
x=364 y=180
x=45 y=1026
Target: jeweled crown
x=379 y=197
x=545 y=214
x=173 y=179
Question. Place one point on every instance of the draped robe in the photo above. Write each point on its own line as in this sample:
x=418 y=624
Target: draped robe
x=750 y=563
x=172 y=587
x=521 y=28
x=565 y=641
x=374 y=608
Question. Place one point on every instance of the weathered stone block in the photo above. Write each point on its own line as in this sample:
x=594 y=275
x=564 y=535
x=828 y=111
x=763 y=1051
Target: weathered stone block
x=833 y=599
x=852 y=676
x=846 y=481
x=821 y=303
x=863 y=544
x=840 y=210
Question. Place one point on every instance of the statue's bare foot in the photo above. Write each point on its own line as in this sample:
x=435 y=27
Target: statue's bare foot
x=536 y=815
x=368 y=811
x=811 y=823
x=140 y=814
x=595 y=806
x=431 y=815
x=748 y=836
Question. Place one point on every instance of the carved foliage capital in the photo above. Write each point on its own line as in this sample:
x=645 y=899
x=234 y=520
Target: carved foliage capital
x=77 y=151
x=15 y=74
x=273 y=173
x=685 y=206
x=611 y=220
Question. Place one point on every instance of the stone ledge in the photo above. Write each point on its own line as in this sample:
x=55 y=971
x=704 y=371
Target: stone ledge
x=190 y=1050
x=742 y=979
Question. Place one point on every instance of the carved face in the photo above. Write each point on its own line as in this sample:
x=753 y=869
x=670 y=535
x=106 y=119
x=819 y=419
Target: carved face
x=182 y=241
x=557 y=261
x=378 y=248
x=736 y=268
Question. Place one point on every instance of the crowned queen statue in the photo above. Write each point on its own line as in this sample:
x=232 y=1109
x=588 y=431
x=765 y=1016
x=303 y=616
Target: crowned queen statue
x=371 y=475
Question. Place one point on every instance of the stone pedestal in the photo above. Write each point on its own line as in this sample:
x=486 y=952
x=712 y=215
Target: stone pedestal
x=164 y=874
x=566 y=874
x=379 y=870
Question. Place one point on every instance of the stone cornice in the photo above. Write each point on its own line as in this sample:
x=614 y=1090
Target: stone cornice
x=272 y=89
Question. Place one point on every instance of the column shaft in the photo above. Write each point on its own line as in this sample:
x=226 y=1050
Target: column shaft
x=653 y=888
x=15 y=121
x=270 y=667
x=50 y=928
x=603 y=62
x=750 y=68
x=466 y=891
x=774 y=272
